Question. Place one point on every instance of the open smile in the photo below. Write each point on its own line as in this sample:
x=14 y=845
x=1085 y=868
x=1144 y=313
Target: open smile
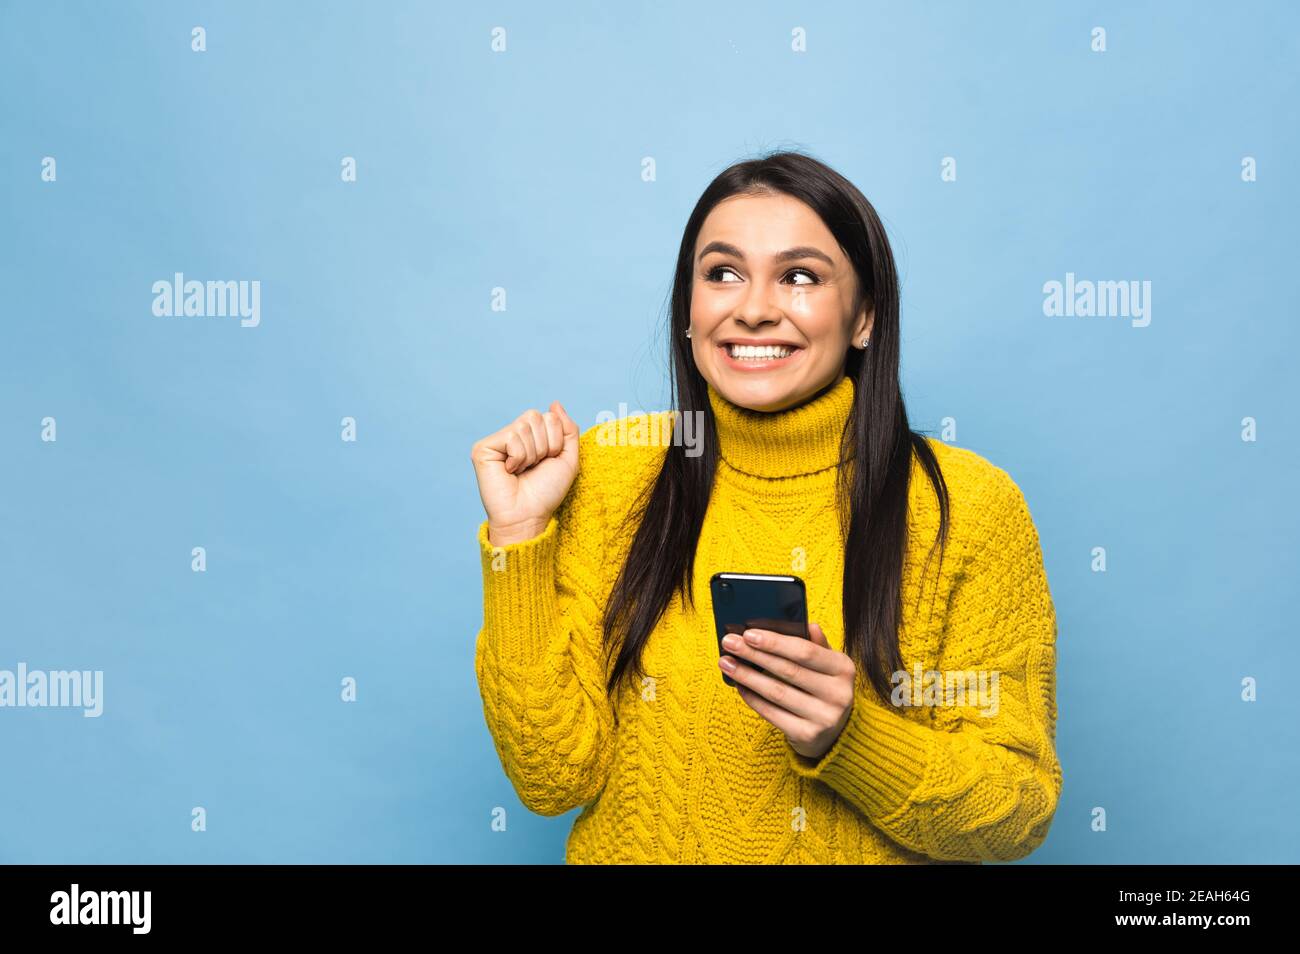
x=758 y=355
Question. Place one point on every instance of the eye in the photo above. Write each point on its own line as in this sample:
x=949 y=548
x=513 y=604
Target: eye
x=712 y=274
x=814 y=280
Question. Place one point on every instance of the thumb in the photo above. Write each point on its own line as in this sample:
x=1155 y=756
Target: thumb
x=817 y=636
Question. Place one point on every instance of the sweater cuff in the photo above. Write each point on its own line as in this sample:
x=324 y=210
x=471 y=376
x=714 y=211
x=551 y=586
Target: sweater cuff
x=877 y=762
x=520 y=607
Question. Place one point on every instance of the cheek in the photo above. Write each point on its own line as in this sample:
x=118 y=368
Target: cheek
x=818 y=308
x=823 y=325
x=709 y=306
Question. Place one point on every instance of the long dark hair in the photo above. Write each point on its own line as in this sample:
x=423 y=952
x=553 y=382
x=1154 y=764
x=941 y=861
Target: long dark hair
x=877 y=443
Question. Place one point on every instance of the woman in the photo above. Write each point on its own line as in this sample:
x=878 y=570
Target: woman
x=598 y=661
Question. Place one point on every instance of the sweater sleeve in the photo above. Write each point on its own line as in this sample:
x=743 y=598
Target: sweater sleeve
x=538 y=655
x=957 y=781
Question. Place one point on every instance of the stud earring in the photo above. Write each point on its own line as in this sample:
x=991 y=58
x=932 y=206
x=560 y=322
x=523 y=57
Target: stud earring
x=864 y=341
x=688 y=332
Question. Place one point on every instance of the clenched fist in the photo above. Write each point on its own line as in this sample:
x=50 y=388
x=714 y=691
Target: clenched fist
x=524 y=472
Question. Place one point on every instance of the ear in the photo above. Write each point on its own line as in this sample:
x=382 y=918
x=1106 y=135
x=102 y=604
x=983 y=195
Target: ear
x=865 y=321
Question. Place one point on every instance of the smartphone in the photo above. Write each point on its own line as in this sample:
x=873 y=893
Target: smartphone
x=744 y=601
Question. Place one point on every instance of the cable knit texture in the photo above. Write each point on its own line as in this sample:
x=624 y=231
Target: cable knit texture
x=676 y=768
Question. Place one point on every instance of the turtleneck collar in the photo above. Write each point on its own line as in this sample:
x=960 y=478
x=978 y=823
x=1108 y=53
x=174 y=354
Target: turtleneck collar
x=800 y=440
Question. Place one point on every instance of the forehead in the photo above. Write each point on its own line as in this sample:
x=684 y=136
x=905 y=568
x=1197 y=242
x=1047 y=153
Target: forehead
x=766 y=224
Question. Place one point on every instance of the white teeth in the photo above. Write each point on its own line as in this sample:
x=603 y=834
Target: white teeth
x=758 y=352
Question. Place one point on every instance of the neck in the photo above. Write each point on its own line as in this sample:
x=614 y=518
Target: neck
x=790 y=443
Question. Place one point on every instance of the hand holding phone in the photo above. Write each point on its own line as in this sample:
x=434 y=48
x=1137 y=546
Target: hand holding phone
x=744 y=601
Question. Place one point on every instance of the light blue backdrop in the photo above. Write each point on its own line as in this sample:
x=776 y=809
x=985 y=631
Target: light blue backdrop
x=522 y=170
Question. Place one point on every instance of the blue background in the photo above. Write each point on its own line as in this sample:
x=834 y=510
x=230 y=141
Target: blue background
x=522 y=170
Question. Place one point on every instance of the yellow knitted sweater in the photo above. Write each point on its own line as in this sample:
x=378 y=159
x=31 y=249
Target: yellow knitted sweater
x=676 y=768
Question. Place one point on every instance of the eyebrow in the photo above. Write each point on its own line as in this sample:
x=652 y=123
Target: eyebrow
x=799 y=251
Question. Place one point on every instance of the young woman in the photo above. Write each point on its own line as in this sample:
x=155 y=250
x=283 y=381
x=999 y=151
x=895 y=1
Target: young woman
x=918 y=723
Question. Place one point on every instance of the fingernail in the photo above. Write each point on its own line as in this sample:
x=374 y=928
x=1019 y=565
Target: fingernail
x=731 y=641
x=751 y=637
x=727 y=663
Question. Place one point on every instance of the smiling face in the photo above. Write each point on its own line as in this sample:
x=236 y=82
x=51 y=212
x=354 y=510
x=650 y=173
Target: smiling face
x=772 y=298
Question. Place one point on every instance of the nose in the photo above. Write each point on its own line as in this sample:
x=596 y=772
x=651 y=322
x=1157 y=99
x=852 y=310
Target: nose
x=759 y=307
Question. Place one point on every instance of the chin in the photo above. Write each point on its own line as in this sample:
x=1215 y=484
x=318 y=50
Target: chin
x=758 y=393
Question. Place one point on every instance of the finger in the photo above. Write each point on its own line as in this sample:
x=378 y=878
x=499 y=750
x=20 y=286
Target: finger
x=811 y=681
x=802 y=651
x=554 y=434
x=780 y=693
x=485 y=451
x=789 y=723
x=511 y=450
x=535 y=424
x=525 y=435
x=817 y=636
x=570 y=425
x=495 y=447
x=515 y=453
x=529 y=428
x=572 y=435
